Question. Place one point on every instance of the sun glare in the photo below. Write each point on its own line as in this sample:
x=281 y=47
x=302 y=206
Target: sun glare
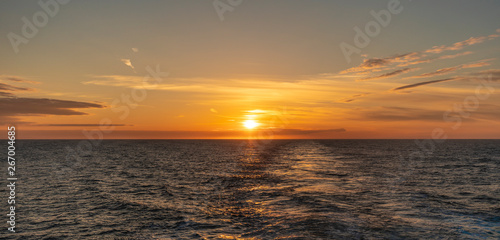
x=250 y=124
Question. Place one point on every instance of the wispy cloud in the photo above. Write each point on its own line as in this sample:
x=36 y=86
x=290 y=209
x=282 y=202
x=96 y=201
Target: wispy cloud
x=431 y=59
x=490 y=75
x=477 y=64
x=378 y=64
x=209 y=85
x=438 y=72
x=371 y=65
x=424 y=83
x=7 y=87
x=460 y=45
x=456 y=55
x=286 y=132
x=390 y=74
x=398 y=114
x=128 y=63
x=17 y=79
x=443 y=71
x=352 y=98
x=7 y=90
x=6 y=94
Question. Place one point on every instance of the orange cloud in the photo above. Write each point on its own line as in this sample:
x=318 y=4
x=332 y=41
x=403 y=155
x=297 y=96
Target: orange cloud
x=390 y=74
x=453 y=69
x=352 y=98
x=412 y=58
x=455 y=55
x=458 y=45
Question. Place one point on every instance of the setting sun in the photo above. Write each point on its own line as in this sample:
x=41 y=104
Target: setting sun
x=250 y=124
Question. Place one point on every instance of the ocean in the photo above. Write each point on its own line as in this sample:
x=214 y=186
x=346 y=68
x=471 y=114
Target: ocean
x=251 y=189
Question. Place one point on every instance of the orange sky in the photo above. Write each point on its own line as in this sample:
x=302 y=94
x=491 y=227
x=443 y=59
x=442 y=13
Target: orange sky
x=179 y=71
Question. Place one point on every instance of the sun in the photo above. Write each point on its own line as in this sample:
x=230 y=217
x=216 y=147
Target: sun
x=250 y=124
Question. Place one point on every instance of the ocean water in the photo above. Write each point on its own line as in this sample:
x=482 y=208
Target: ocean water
x=241 y=189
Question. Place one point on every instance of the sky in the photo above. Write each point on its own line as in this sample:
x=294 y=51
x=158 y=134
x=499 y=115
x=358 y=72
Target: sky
x=218 y=69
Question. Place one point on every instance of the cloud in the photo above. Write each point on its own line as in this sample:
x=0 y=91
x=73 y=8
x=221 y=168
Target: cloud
x=135 y=49
x=235 y=87
x=476 y=65
x=287 y=132
x=126 y=134
x=16 y=79
x=16 y=107
x=141 y=82
x=374 y=62
x=352 y=98
x=12 y=107
x=430 y=59
x=7 y=89
x=492 y=75
x=455 y=55
x=460 y=45
x=6 y=94
x=390 y=74
x=398 y=114
x=443 y=71
x=84 y=125
x=371 y=64
x=417 y=57
x=43 y=106
x=424 y=83
x=128 y=63
x=379 y=64
x=213 y=110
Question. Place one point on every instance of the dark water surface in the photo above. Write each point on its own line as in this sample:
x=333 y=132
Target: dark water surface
x=238 y=189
